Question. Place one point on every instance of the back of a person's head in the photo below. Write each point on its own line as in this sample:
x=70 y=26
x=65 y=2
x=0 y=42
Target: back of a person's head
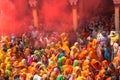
x=16 y=77
x=6 y=77
x=114 y=78
x=111 y=66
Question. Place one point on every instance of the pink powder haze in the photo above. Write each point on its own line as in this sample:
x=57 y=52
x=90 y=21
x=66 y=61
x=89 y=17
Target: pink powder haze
x=54 y=15
x=13 y=16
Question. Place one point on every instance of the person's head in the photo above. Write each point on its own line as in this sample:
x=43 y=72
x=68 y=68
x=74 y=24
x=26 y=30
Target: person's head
x=111 y=66
x=107 y=73
x=105 y=45
x=104 y=33
x=45 y=77
x=113 y=78
x=60 y=50
x=6 y=77
x=74 y=50
x=16 y=77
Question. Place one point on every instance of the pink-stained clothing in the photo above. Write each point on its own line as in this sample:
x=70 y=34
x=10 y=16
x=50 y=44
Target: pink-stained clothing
x=30 y=59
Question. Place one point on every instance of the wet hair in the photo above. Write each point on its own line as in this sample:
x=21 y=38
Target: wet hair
x=16 y=77
x=31 y=78
x=111 y=66
x=11 y=45
x=4 y=49
x=97 y=64
x=107 y=73
x=114 y=78
x=60 y=50
x=6 y=77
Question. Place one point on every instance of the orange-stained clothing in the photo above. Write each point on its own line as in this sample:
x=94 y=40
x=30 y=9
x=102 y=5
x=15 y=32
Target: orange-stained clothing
x=100 y=74
x=85 y=73
x=95 y=64
x=77 y=70
x=94 y=43
x=50 y=67
x=83 y=54
x=68 y=69
x=68 y=62
x=81 y=78
x=89 y=45
x=66 y=48
x=86 y=62
x=92 y=54
x=53 y=75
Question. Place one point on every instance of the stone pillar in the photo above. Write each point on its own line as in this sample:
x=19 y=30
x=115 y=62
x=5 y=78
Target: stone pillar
x=73 y=3
x=117 y=20
x=33 y=5
x=117 y=24
x=75 y=19
x=35 y=17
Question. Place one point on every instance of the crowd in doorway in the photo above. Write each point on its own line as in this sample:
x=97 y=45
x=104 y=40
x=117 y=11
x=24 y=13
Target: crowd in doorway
x=92 y=53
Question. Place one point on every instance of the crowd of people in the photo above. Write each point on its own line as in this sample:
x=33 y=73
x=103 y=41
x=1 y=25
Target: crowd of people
x=93 y=53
